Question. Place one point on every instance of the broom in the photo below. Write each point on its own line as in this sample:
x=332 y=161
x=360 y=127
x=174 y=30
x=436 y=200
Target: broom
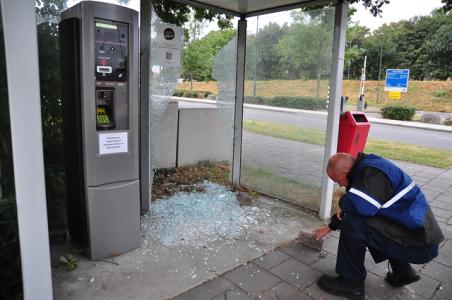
x=307 y=238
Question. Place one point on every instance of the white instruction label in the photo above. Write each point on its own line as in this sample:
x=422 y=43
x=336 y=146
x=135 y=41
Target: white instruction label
x=114 y=142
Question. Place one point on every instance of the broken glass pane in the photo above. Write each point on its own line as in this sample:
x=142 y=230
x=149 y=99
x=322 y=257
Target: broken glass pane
x=224 y=72
x=286 y=93
x=163 y=77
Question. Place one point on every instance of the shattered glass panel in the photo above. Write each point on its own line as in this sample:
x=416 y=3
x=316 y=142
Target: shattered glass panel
x=286 y=96
x=224 y=72
x=162 y=83
x=199 y=219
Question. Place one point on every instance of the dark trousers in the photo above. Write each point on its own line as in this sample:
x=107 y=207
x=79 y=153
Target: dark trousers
x=356 y=236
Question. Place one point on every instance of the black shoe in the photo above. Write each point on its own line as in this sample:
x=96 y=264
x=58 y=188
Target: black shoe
x=402 y=274
x=341 y=286
x=399 y=280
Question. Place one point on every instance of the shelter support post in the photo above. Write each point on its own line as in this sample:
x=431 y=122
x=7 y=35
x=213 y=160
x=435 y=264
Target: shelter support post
x=239 y=97
x=145 y=143
x=337 y=68
x=21 y=53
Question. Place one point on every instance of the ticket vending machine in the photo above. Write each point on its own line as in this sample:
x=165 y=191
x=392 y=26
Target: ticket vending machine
x=99 y=70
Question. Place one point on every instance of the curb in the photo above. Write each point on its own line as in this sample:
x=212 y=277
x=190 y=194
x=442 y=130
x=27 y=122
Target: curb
x=408 y=124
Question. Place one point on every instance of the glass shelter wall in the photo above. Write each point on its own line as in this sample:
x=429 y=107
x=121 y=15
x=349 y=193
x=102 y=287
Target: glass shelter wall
x=163 y=76
x=287 y=73
x=10 y=261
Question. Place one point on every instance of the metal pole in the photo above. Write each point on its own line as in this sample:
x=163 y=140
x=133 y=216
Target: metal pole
x=21 y=53
x=239 y=95
x=337 y=69
x=379 y=71
x=360 y=104
x=349 y=63
x=145 y=143
x=255 y=57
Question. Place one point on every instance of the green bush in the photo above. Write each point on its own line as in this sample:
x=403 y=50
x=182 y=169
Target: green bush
x=256 y=100
x=178 y=93
x=191 y=94
x=440 y=93
x=398 y=112
x=309 y=103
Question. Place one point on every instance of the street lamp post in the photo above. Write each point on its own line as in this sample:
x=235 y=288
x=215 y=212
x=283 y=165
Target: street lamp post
x=255 y=58
x=361 y=102
x=379 y=69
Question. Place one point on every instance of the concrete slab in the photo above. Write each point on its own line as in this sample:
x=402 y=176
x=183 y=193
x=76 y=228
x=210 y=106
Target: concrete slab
x=425 y=287
x=272 y=259
x=303 y=254
x=314 y=292
x=443 y=213
x=437 y=271
x=212 y=288
x=282 y=291
x=375 y=286
x=154 y=271
x=234 y=294
x=326 y=264
x=296 y=273
x=252 y=278
x=444 y=292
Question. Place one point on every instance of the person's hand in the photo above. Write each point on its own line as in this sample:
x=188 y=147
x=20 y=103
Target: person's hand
x=338 y=213
x=321 y=232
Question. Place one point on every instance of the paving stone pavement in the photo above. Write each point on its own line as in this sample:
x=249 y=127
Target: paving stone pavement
x=300 y=161
x=291 y=271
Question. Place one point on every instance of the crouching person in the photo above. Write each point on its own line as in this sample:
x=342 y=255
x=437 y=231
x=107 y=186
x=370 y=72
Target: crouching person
x=383 y=210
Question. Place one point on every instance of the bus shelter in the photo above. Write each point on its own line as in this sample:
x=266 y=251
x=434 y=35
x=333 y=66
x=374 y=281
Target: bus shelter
x=21 y=55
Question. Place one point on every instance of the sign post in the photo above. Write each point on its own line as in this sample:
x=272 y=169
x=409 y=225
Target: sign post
x=397 y=80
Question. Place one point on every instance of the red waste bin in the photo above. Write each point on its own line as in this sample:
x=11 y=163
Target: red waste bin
x=353 y=131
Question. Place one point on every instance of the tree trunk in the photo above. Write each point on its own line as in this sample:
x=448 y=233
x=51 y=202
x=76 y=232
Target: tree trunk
x=191 y=82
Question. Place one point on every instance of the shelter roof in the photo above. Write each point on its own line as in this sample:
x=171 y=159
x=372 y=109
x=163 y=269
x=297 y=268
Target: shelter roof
x=250 y=8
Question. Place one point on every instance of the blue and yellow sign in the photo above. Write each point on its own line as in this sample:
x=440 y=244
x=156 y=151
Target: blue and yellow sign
x=397 y=80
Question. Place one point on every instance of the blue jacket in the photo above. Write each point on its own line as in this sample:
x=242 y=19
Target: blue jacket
x=395 y=204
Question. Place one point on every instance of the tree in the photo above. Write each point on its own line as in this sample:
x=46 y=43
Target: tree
x=420 y=44
x=354 y=47
x=306 y=48
x=447 y=5
x=199 y=54
x=263 y=45
x=439 y=50
x=178 y=13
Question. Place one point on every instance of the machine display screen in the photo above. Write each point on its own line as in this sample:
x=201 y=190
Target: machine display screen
x=106 y=25
x=111 y=50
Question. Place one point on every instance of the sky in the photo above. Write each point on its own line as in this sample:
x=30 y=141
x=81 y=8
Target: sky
x=395 y=11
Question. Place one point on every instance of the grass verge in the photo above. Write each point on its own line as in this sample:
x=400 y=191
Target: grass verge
x=424 y=95
x=389 y=149
x=265 y=181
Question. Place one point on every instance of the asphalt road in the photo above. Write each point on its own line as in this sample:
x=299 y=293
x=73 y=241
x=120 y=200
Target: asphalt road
x=420 y=137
